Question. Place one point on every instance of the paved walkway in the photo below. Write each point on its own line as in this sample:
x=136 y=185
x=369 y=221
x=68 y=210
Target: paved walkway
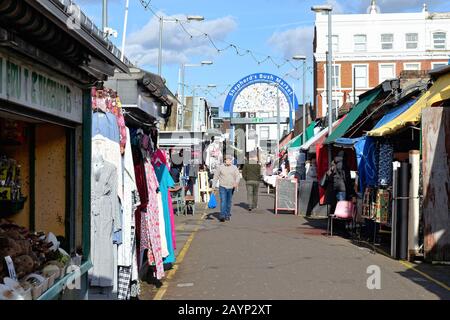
x=260 y=255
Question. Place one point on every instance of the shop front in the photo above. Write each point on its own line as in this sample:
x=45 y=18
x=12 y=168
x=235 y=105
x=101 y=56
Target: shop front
x=45 y=153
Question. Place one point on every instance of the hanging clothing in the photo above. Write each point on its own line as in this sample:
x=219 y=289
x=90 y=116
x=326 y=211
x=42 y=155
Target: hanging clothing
x=214 y=156
x=143 y=197
x=130 y=203
x=172 y=221
x=386 y=157
x=105 y=220
x=116 y=109
x=366 y=156
x=322 y=167
x=150 y=235
x=166 y=182
x=162 y=227
x=105 y=141
x=381 y=205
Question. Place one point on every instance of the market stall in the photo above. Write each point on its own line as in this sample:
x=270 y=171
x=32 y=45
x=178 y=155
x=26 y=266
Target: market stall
x=45 y=158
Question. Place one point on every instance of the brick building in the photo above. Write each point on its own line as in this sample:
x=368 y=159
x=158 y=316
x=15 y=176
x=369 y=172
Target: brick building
x=370 y=48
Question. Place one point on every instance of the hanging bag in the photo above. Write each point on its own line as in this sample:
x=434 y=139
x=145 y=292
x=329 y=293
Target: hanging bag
x=212 y=204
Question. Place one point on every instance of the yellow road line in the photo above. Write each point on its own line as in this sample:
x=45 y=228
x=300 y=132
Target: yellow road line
x=162 y=291
x=412 y=267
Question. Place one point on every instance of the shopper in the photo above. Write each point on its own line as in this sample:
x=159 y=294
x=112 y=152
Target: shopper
x=227 y=176
x=339 y=174
x=251 y=172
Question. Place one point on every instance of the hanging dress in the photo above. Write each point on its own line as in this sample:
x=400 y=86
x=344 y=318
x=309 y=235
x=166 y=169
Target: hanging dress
x=162 y=227
x=165 y=182
x=150 y=234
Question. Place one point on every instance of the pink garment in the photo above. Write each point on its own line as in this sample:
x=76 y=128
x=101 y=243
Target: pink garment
x=172 y=222
x=116 y=109
x=150 y=236
x=159 y=158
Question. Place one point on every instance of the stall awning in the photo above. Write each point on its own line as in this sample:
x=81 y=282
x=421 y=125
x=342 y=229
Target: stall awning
x=319 y=137
x=296 y=142
x=394 y=113
x=310 y=131
x=439 y=91
x=364 y=102
x=346 y=142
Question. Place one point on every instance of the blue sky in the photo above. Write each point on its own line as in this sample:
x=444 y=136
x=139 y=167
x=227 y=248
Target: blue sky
x=279 y=28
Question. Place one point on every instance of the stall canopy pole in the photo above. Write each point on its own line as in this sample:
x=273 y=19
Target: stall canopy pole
x=403 y=210
x=413 y=219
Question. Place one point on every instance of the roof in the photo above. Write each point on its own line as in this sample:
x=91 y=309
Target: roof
x=438 y=92
x=45 y=25
x=364 y=102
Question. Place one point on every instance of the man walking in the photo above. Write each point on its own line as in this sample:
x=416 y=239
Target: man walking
x=251 y=172
x=228 y=177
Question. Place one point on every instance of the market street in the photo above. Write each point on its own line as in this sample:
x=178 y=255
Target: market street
x=259 y=255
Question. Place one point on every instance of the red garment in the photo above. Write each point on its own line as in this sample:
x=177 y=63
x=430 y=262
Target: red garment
x=158 y=158
x=143 y=196
x=322 y=167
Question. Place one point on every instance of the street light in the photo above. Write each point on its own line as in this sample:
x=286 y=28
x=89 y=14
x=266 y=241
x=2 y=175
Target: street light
x=181 y=74
x=303 y=58
x=161 y=23
x=328 y=9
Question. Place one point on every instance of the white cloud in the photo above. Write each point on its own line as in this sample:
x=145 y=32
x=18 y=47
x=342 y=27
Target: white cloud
x=142 y=45
x=294 y=41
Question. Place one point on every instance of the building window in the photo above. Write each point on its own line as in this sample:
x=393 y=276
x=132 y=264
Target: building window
x=386 y=71
x=335 y=42
x=264 y=132
x=336 y=78
x=415 y=66
x=436 y=65
x=387 y=40
x=439 y=40
x=360 y=42
x=411 y=40
x=361 y=76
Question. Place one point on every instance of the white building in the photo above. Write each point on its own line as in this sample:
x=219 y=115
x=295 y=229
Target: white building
x=370 y=48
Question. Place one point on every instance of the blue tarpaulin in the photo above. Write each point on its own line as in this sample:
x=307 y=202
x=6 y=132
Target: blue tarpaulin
x=347 y=142
x=366 y=157
x=394 y=113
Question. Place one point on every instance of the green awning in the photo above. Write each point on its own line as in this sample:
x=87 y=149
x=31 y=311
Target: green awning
x=364 y=101
x=293 y=141
x=310 y=131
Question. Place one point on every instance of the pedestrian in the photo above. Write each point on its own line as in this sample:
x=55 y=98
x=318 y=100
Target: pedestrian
x=339 y=175
x=227 y=176
x=251 y=172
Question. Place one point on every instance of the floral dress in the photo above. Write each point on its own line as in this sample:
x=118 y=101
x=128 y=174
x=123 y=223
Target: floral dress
x=150 y=231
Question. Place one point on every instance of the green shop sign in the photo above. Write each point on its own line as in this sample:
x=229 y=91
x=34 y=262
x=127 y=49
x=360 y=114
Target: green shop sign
x=25 y=85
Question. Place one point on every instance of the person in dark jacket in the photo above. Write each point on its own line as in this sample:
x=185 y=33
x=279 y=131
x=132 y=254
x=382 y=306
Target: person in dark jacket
x=251 y=172
x=339 y=175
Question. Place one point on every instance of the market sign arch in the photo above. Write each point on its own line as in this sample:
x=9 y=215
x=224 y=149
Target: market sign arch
x=259 y=86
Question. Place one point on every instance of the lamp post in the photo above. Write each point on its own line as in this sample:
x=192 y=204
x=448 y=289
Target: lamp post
x=161 y=24
x=328 y=9
x=181 y=74
x=303 y=58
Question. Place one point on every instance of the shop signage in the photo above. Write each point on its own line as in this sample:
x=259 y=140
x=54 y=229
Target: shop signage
x=260 y=97
x=24 y=84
